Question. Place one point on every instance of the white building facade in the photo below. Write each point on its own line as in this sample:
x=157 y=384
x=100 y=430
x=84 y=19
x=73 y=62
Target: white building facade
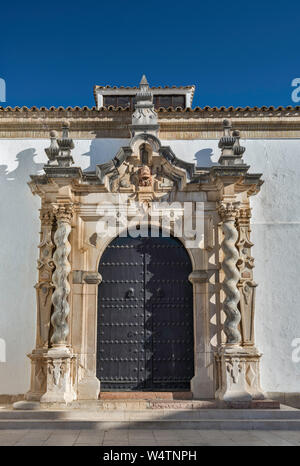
x=194 y=137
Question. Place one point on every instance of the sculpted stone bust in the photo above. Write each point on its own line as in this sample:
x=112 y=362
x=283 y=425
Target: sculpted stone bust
x=144 y=174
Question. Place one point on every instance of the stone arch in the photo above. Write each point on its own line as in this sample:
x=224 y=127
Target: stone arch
x=102 y=245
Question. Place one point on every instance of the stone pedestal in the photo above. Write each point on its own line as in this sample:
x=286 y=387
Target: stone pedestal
x=38 y=380
x=252 y=373
x=60 y=383
x=232 y=365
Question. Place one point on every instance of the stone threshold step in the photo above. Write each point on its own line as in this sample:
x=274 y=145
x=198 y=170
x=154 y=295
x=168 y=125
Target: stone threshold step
x=222 y=424
x=156 y=404
x=137 y=404
x=146 y=395
x=146 y=414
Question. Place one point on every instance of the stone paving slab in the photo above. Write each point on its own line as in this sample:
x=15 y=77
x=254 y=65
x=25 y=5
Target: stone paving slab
x=148 y=438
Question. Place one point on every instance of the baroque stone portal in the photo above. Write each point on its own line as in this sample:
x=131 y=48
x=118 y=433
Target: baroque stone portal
x=145 y=180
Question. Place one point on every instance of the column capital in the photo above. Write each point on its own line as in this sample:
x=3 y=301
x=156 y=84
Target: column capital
x=228 y=211
x=47 y=215
x=244 y=215
x=64 y=211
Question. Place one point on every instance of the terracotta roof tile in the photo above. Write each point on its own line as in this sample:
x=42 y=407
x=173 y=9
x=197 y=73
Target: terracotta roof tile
x=202 y=110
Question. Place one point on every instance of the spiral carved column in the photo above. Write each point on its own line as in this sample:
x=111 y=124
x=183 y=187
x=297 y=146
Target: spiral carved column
x=232 y=275
x=231 y=358
x=60 y=361
x=60 y=277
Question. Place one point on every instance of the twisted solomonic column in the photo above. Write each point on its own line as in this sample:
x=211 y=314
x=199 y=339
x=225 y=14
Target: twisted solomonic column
x=228 y=213
x=60 y=276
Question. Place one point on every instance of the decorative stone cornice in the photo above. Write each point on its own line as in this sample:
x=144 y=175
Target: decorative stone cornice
x=197 y=123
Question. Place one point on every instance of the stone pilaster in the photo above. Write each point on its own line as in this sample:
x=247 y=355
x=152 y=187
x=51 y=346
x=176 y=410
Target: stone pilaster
x=246 y=284
x=44 y=289
x=202 y=384
x=231 y=356
x=59 y=357
x=247 y=287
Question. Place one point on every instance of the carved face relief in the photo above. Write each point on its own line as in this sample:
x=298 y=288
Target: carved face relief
x=144 y=174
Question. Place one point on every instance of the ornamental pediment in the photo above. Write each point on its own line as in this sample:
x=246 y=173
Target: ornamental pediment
x=145 y=165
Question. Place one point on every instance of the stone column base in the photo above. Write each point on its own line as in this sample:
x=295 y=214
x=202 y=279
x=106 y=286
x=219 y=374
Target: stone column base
x=88 y=388
x=38 y=375
x=232 y=365
x=60 y=376
x=252 y=372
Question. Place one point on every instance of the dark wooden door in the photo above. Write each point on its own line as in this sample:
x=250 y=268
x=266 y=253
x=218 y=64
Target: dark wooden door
x=145 y=316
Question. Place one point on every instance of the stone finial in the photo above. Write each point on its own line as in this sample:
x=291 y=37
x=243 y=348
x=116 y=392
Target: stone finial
x=238 y=150
x=144 y=118
x=53 y=150
x=229 y=143
x=65 y=144
x=59 y=151
x=144 y=81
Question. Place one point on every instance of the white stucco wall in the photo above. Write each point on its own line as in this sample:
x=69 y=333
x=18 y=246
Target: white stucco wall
x=275 y=232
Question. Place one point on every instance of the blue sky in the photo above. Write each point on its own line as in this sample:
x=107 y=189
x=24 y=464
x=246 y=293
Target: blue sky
x=236 y=53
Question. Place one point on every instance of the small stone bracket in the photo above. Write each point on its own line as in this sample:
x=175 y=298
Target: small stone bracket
x=89 y=278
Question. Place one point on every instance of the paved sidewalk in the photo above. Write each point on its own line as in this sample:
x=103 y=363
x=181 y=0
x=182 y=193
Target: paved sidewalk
x=133 y=437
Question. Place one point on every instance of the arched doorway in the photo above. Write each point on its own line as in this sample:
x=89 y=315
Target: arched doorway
x=145 y=315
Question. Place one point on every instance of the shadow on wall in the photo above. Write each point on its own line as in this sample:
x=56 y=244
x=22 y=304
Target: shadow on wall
x=103 y=150
x=204 y=158
x=19 y=239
